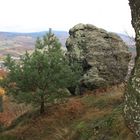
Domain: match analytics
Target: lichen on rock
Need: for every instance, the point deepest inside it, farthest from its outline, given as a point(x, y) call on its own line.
point(103, 55)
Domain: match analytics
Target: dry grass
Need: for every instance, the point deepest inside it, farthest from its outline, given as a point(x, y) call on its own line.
point(94, 116)
point(11, 111)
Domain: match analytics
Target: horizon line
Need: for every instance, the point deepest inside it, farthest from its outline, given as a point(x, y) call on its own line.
point(22, 32)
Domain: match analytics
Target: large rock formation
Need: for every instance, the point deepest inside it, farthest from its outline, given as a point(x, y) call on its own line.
point(132, 94)
point(103, 55)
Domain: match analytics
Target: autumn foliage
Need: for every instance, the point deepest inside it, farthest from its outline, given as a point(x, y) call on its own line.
point(2, 74)
point(1, 91)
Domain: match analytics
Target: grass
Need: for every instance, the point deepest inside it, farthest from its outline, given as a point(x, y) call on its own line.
point(8, 137)
point(94, 116)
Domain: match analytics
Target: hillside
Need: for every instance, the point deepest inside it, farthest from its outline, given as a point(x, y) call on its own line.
point(17, 43)
point(94, 116)
point(130, 41)
point(96, 113)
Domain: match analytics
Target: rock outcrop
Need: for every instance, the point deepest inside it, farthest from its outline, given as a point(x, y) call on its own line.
point(103, 55)
point(132, 94)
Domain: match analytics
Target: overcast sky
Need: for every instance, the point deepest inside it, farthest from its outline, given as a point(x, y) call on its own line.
point(39, 15)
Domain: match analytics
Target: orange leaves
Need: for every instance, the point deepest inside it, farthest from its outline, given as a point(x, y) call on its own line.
point(72, 109)
point(2, 74)
point(2, 91)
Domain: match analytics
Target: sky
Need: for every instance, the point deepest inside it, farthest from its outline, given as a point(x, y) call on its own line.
point(39, 15)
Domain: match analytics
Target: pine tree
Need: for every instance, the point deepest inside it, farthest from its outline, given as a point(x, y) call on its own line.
point(38, 77)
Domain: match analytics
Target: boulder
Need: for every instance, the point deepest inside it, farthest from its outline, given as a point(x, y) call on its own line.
point(103, 55)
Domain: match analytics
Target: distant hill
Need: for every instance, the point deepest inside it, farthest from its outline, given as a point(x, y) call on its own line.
point(10, 35)
point(130, 41)
point(127, 39)
point(17, 43)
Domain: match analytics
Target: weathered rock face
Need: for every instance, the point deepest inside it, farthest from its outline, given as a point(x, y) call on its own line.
point(104, 56)
point(132, 94)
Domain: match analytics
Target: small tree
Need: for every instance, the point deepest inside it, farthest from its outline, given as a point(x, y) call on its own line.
point(38, 77)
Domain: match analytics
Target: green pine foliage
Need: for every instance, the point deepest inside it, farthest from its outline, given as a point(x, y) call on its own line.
point(38, 77)
point(1, 104)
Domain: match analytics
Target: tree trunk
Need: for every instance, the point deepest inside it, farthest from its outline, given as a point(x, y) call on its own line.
point(132, 94)
point(42, 105)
